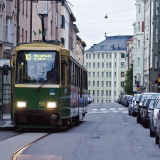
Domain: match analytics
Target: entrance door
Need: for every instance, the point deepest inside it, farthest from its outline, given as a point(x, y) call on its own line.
point(5, 95)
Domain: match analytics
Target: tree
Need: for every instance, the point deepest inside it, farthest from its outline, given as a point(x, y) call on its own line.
point(128, 83)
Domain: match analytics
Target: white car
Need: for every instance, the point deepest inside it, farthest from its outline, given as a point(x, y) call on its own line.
point(157, 134)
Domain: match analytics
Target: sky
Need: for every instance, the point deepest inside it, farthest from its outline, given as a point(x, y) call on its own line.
point(91, 22)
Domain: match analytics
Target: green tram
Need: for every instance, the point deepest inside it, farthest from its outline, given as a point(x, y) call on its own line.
point(49, 86)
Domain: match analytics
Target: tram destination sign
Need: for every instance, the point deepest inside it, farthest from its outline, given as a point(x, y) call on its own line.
point(38, 57)
point(4, 61)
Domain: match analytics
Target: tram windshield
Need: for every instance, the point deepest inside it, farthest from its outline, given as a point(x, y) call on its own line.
point(37, 67)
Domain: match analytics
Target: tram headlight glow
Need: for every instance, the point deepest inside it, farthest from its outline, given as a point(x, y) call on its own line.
point(51, 105)
point(21, 104)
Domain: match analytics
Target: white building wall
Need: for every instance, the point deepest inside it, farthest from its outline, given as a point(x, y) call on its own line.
point(138, 44)
point(118, 79)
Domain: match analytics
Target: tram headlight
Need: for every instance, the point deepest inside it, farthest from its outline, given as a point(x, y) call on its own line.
point(51, 105)
point(21, 104)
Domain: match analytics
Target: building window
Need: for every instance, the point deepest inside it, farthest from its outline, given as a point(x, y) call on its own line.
point(107, 93)
point(122, 83)
point(97, 74)
point(98, 56)
point(115, 64)
point(87, 65)
point(93, 65)
point(109, 83)
point(122, 74)
point(110, 74)
point(26, 36)
point(102, 56)
point(98, 65)
point(93, 56)
point(110, 64)
point(86, 56)
point(106, 74)
point(114, 74)
point(114, 93)
point(156, 35)
point(139, 27)
point(157, 7)
point(93, 92)
point(138, 62)
point(106, 83)
point(93, 83)
point(62, 21)
point(110, 55)
point(22, 35)
point(102, 64)
point(102, 83)
point(122, 64)
point(93, 74)
point(107, 65)
point(139, 9)
point(97, 83)
point(114, 83)
point(97, 92)
point(89, 74)
point(102, 74)
point(122, 55)
point(106, 101)
point(97, 100)
point(89, 83)
point(102, 92)
point(115, 55)
point(107, 55)
point(138, 44)
point(89, 56)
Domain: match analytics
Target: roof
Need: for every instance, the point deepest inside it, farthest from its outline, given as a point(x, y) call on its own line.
point(111, 43)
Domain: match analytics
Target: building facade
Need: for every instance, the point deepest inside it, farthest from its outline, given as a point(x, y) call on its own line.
point(138, 46)
point(106, 67)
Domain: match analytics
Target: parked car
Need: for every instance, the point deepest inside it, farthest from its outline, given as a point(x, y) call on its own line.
point(89, 100)
point(134, 107)
point(128, 99)
point(146, 112)
point(155, 110)
point(139, 102)
point(123, 99)
point(157, 134)
point(130, 107)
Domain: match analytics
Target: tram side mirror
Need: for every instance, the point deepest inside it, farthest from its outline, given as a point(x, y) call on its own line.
point(5, 69)
point(64, 62)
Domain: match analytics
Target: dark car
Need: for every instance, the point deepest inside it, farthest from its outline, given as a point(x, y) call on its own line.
point(146, 112)
point(157, 134)
point(133, 110)
point(156, 108)
point(140, 101)
point(128, 99)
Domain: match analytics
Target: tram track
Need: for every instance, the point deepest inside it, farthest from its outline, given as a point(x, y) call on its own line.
point(20, 151)
point(12, 136)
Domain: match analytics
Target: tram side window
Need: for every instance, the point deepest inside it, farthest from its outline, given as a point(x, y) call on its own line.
point(63, 73)
point(69, 72)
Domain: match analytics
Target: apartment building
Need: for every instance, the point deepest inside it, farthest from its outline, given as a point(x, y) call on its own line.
point(138, 46)
point(106, 68)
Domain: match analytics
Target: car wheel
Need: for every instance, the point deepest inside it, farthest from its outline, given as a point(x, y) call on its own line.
point(152, 134)
point(138, 119)
point(156, 138)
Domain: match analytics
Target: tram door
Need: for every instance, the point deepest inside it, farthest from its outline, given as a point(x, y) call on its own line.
point(5, 95)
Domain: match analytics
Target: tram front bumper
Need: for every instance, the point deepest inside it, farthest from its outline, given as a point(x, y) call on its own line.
point(37, 117)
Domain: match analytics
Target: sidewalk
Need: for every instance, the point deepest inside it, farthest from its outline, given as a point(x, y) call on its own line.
point(5, 124)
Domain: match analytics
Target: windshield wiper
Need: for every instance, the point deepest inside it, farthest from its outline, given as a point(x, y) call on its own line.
point(40, 86)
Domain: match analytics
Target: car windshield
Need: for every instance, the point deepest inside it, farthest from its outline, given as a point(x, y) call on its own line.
point(147, 96)
point(36, 67)
point(151, 102)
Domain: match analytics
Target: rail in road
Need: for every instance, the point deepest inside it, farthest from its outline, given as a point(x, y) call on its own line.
point(11, 147)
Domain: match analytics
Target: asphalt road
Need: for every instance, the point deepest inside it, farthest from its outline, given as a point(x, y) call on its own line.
point(107, 133)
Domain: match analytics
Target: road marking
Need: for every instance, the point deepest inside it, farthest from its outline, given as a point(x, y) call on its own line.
point(121, 108)
point(124, 111)
point(103, 109)
point(112, 109)
point(94, 109)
